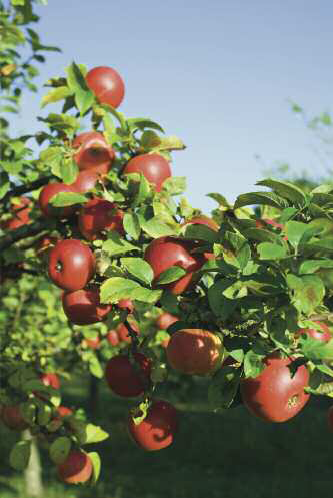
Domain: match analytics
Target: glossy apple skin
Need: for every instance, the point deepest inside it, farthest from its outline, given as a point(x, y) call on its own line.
point(77, 468)
point(50, 379)
point(195, 351)
point(93, 152)
point(71, 264)
point(86, 180)
point(274, 395)
point(154, 168)
point(322, 336)
point(112, 338)
point(107, 85)
point(126, 304)
point(158, 429)
point(82, 307)
point(164, 252)
point(21, 211)
point(50, 191)
point(12, 418)
point(123, 334)
point(98, 215)
point(124, 379)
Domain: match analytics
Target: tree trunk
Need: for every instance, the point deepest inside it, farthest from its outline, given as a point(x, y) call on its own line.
point(33, 473)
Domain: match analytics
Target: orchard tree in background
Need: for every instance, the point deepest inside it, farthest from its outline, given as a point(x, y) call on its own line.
point(105, 267)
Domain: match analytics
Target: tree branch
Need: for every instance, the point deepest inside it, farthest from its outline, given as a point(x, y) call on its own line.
point(23, 232)
point(27, 187)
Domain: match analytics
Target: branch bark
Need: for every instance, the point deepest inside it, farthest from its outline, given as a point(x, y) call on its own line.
point(27, 187)
point(23, 232)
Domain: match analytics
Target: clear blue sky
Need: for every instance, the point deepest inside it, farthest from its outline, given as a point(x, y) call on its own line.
point(218, 74)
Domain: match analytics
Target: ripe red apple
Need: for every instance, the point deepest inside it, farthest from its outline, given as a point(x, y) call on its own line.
point(21, 211)
point(12, 418)
point(50, 379)
point(107, 85)
point(123, 333)
point(86, 180)
point(77, 468)
point(98, 215)
point(164, 252)
point(93, 343)
point(82, 307)
point(154, 167)
point(125, 379)
point(195, 351)
point(274, 395)
point(126, 304)
point(158, 429)
point(71, 264)
point(322, 335)
point(93, 152)
point(112, 338)
point(46, 195)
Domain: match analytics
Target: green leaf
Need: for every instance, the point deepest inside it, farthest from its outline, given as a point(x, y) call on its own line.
point(4, 184)
point(268, 250)
point(68, 171)
point(63, 199)
point(60, 449)
point(20, 455)
point(316, 350)
point(223, 387)
point(285, 189)
point(220, 199)
point(156, 228)
point(142, 123)
point(253, 364)
point(143, 192)
point(139, 269)
point(261, 198)
point(307, 292)
point(56, 94)
point(132, 225)
point(221, 306)
point(116, 246)
point(95, 434)
point(96, 462)
point(174, 185)
point(84, 98)
point(95, 368)
point(116, 288)
point(298, 232)
point(170, 275)
point(201, 232)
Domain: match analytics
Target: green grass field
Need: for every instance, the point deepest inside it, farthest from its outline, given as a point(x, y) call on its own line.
point(228, 455)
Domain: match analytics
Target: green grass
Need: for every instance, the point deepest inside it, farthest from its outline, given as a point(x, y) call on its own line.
point(228, 455)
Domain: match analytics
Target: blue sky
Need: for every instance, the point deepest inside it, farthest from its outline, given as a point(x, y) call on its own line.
point(218, 74)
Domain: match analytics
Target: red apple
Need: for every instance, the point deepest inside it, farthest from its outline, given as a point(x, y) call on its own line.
point(86, 180)
point(123, 333)
point(112, 338)
point(93, 152)
point(158, 429)
point(165, 320)
point(322, 335)
point(12, 418)
point(98, 215)
point(126, 304)
point(77, 468)
point(154, 167)
point(107, 85)
point(274, 395)
point(47, 193)
point(71, 264)
point(21, 211)
point(50, 379)
point(93, 343)
point(82, 307)
point(164, 252)
point(125, 379)
point(195, 351)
